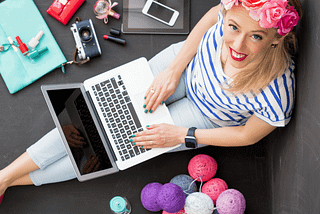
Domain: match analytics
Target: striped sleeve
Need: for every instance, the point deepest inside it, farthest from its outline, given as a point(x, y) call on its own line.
point(277, 99)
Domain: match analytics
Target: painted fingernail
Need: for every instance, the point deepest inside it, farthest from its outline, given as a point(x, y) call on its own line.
point(134, 144)
point(148, 126)
point(146, 111)
point(145, 97)
point(162, 102)
point(141, 146)
point(130, 140)
point(151, 111)
point(144, 105)
point(133, 135)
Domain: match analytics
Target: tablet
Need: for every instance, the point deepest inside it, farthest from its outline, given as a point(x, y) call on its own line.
point(135, 22)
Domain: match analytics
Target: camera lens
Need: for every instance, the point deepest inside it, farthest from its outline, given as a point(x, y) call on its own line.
point(85, 34)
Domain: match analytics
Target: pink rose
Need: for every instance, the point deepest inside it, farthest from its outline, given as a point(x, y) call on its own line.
point(288, 21)
point(271, 13)
point(229, 3)
point(253, 4)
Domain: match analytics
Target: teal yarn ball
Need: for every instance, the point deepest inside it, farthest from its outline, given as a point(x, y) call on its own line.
point(186, 183)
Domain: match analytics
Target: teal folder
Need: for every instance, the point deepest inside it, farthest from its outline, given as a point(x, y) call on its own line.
point(22, 18)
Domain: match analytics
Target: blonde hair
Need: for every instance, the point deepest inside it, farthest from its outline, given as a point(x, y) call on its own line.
point(271, 66)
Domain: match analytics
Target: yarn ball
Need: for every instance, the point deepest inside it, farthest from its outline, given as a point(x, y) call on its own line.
point(186, 183)
point(231, 201)
point(149, 196)
point(214, 187)
point(198, 203)
point(179, 212)
point(171, 198)
point(202, 166)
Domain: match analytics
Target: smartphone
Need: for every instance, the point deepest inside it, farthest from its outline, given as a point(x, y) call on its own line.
point(160, 12)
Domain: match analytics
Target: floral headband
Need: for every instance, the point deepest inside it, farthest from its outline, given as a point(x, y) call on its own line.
point(269, 13)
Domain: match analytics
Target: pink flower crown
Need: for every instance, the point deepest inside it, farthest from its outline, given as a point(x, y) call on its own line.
point(269, 13)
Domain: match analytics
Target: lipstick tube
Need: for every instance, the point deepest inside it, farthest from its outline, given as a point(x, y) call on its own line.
point(114, 39)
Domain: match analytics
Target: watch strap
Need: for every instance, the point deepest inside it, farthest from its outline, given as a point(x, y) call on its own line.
point(191, 131)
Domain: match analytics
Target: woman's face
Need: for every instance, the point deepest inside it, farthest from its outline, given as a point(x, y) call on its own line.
point(245, 42)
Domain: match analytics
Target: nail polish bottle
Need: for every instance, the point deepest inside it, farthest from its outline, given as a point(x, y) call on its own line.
point(23, 47)
point(35, 40)
point(36, 53)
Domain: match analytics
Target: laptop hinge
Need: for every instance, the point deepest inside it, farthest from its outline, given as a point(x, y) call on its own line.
point(101, 126)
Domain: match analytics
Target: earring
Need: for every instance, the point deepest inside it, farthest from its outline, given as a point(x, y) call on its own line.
point(274, 45)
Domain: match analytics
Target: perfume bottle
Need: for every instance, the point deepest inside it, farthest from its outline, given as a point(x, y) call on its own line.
point(103, 9)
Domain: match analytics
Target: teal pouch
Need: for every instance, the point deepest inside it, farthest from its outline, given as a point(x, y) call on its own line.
point(22, 18)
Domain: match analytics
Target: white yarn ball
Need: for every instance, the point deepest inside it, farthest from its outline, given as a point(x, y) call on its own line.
point(198, 203)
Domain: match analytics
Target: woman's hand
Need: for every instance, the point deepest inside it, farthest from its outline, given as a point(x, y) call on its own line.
point(162, 87)
point(159, 135)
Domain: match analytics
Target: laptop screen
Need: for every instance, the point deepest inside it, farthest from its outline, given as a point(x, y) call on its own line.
point(79, 129)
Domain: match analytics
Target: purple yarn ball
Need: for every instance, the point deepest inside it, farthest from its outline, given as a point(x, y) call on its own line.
point(231, 201)
point(171, 198)
point(149, 196)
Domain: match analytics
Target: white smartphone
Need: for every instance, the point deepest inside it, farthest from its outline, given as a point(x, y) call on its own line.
point(160, 12)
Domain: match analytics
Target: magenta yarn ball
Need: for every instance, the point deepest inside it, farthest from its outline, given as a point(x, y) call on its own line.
point(203, 166)
point(231, 201)
point(149, 196)
point(171, 198)
point(214, 187)
point(179, 212)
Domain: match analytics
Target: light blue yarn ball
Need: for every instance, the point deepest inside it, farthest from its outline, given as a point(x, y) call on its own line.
point(184, 182)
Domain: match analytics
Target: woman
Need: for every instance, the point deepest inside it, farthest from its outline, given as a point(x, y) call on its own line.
point(231, 79)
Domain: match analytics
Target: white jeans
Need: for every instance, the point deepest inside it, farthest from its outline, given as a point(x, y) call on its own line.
point(49, 152)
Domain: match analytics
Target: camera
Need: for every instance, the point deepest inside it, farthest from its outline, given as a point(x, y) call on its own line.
point(86, 39)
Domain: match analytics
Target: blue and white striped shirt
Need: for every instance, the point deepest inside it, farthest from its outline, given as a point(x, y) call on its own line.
point(204, 79)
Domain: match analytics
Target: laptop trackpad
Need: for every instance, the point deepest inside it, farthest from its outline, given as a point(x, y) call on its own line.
point(160, 115)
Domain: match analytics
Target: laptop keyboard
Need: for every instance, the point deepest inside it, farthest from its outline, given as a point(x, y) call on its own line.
point(119, 114)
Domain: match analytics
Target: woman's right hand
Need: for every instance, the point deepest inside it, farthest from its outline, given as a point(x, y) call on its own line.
point(162, 87)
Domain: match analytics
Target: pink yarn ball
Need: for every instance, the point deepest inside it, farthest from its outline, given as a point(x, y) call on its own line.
point(231, 201)
point(202, 166)
point(149, 196)
point(180, 212)
point(214, 187)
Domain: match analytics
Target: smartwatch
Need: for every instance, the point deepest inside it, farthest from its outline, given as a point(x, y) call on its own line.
point(190, 139)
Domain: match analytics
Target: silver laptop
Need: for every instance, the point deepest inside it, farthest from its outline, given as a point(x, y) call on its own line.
point(97, 118)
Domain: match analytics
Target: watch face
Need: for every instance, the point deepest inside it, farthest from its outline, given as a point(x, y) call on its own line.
point(191, 144)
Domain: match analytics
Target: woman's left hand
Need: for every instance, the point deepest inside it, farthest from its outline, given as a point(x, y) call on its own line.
point(159, 135)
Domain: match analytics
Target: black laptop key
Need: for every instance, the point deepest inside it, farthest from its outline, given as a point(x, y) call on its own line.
point(98, 87)
point(131, 153)
point(134, 115)
point(127, 99)
point(142, 150)
point(136, 150)
point(114, 83)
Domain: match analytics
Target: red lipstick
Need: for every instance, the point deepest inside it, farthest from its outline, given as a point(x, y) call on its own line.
point(237, 56)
